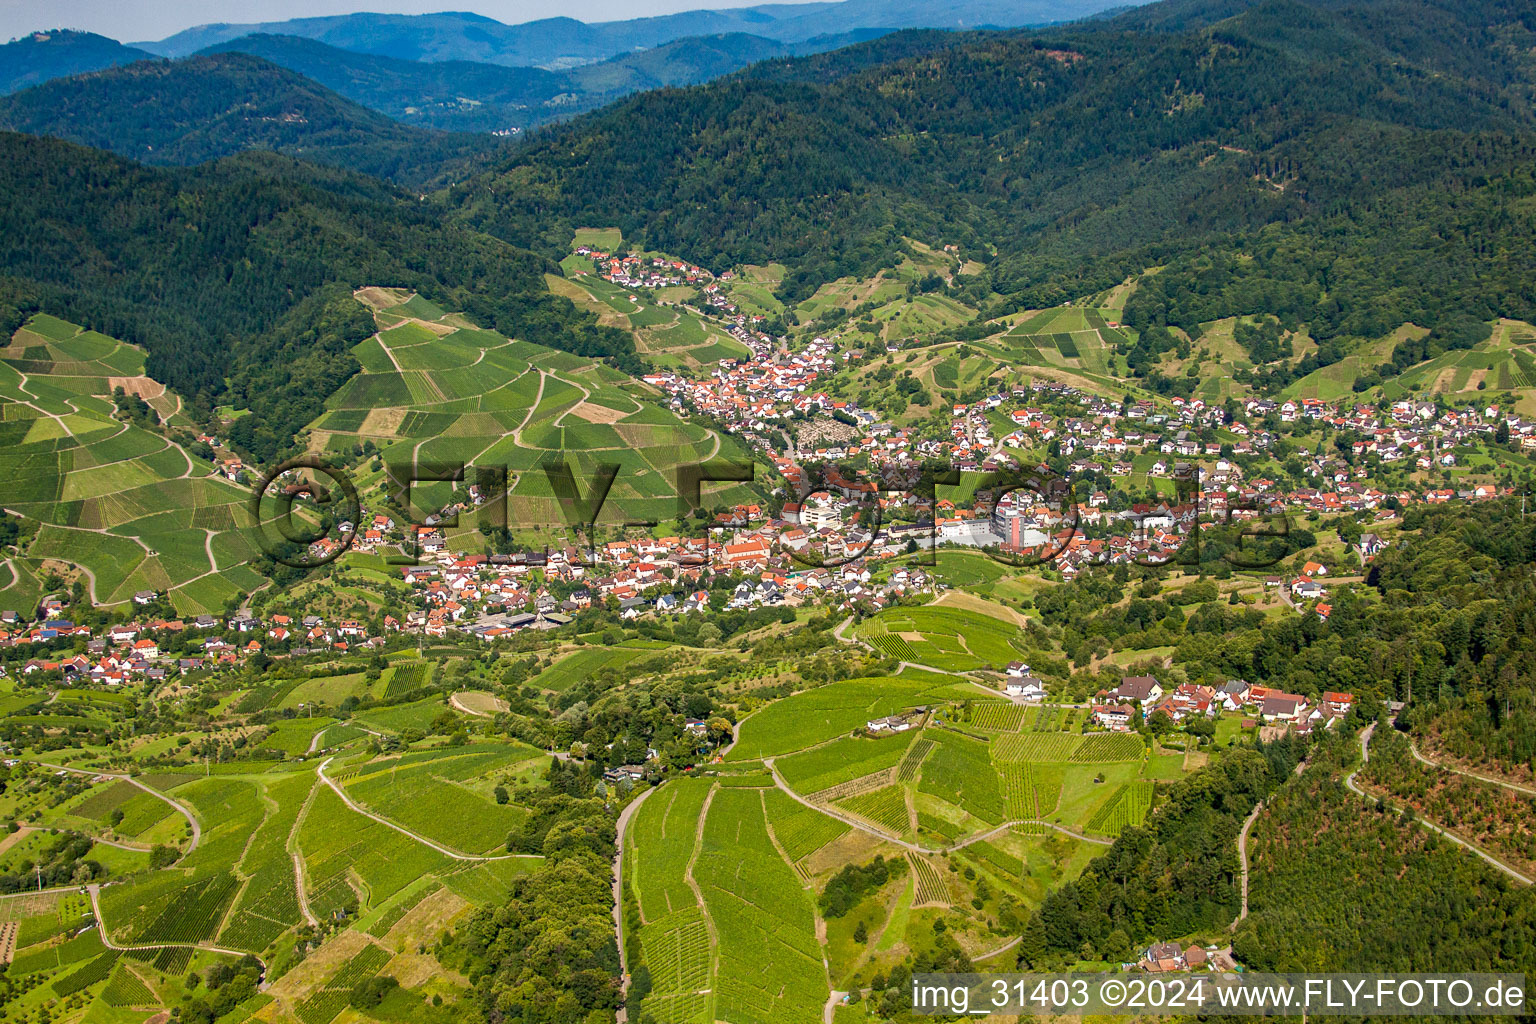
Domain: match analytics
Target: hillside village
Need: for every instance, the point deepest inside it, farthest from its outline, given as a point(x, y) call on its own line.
point(813, 543)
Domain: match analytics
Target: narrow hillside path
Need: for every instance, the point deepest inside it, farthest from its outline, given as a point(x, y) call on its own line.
point(389, 351)
point(698, 893)
point(1349, 782)
point(1493, 780)
point(870, 829)
point(197, 829)
point(618, 896)
point(1242, 855)
point(423, 840)
point(517, 431)
point(1005, 947)
point(297, 854)
point(1242, 847)
point(106, 939)
point(134, 847)
point(22, 831)
point(41, 892)
point(461, 706)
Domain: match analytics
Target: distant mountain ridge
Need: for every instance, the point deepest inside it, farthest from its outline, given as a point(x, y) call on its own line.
point(204, 108)
point(43, 56)
point(475, 96)
point(555, 43)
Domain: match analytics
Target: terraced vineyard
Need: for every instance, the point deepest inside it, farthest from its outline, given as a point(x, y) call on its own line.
point(126, 989)
point(170, 907)
point(1102, 748)
point(326, 1002)
point(799, 829)
point(436, 388)
point(946, 639)
point(131, 509)
point(920, 748)
point(841, 761)
point(1031, 790)
point(1035, 746)
point(837, 709)
point(337, 844)
point(666, 827)
point(770, 969)
point(667, 334)
point(678, 956)
point(886, 807)
point(443, 796)
point(998, 717)
point(269, 903)
point(583, 664)
point(960, 771)
point(931, 889)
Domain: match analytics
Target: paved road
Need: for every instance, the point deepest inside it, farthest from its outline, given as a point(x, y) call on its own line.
point(197, 830)
point(423, 840)
point(618, 895)
point(829, 1009)
point(1349, 781)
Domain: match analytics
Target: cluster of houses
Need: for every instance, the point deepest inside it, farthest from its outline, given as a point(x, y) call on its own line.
point(1107, 438)
point(142, 651)
point(767, 389)
point(1164, 957)
point(1117, 709)
point(634, 271)
point(491, 596)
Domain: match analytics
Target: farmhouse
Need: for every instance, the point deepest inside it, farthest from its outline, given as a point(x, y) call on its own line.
point(1168, 956)
point(1283, 706)
point(1116, 717)
point(1337, 705)
point(1027, 688)
point(1144, 690)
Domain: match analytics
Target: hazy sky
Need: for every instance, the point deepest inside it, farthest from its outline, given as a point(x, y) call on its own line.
point(135, 20)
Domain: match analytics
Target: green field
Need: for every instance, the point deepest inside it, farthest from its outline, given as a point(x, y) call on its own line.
point(948, 639)
point(841, 761)
point(827, 712)
point(446, 795)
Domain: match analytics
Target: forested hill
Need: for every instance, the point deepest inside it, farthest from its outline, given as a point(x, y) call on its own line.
point(1474, 574)
point(42, 56)
point(237, 276)
point(1291, 132)
point(203, 108)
